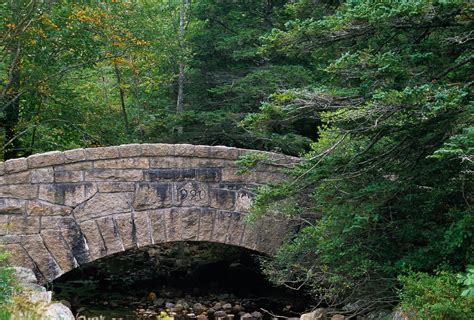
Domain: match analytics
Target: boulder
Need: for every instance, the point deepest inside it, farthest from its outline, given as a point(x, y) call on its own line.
point(318, 314)
point(227, 307)
point(220, 314)
point(40, 297)
point(25, 275)
point(246, 316)
point(57, 311)
point(338, 317)
point(177, 308)
point(34, 287)
point(379, 315)
point(237, 308)
point(199, 308)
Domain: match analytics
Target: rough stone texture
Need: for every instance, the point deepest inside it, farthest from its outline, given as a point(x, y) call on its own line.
point(101, 153)
point(59, 210)
point(68, 176)
point(152, 195)
point(43, 175)
point(126, 228)
point(58, 247)
point(40, 255)
point(3, 224)
point(158, 224)
point(103, 204)
point(57, 311)
point(40, 297)
point(42, 208)
point(25, 275)
point(21, 191)
point(12, 206)
point(22, 225)
point(318, 314)
point(16, 178)
point(95, 244)
point(192, 194)
point(143, 228)
point(74, 155)
point(110, 235)
point(190, 223)
point(16, 165)
point(45, 159)
point(130, 150)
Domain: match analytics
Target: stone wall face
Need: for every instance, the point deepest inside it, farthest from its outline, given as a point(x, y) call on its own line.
point(59, 210)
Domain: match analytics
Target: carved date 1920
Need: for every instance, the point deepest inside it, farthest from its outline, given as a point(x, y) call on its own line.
point(191, 194)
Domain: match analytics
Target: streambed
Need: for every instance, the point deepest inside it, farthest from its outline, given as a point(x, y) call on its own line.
point(184, 280)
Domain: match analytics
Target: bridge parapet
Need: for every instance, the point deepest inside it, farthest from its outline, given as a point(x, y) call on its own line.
point(59, 210)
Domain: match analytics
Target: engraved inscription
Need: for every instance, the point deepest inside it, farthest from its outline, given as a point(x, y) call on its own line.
point(192, 194)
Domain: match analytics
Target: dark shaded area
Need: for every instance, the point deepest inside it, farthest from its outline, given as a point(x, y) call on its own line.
point(175, 273)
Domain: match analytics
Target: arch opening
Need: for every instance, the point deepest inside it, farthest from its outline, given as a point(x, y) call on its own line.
point(184, 278)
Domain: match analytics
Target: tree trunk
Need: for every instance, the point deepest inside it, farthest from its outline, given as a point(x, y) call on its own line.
point(122, 99)
point(182, 76)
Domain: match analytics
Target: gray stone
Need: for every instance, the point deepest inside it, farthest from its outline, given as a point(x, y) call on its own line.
point(246, 316)
point(62, 209)
point(46, 159)
point(74, 155)
point(318, 314)
point(101, 153)
point(227, 307)
point(33, 287)
point(220, 314)
point(199, 308)
point(12, 206)
point(16, 165)
point(104, 204)
point(383, 315)
point(130, 150)
point(152, 195)
point(57, 311)
point(25, 275)
point(40, 297)
point(43, 175)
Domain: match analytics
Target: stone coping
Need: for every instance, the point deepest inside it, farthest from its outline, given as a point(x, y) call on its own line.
point(54, 158)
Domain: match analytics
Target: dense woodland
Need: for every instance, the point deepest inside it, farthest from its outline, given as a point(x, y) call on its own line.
point(375, 95)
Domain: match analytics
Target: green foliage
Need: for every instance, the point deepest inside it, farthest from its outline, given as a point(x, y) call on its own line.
point(467, 281)
point(7, 285)
point(434, 297)
point(388, 183)
point(250, 160)
point(375, 96)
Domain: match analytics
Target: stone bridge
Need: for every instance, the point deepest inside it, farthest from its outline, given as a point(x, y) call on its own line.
point(59, 210)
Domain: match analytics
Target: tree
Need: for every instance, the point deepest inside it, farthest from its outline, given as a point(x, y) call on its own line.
point(387, 185)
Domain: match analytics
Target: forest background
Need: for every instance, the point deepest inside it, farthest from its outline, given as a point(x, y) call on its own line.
point(375, 95)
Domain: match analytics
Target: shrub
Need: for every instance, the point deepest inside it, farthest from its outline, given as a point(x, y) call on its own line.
point(435, 297)
point(7, 285)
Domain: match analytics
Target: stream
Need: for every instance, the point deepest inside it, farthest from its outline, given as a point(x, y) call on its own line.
point(184, 280)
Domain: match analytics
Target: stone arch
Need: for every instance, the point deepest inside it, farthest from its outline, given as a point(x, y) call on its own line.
point(59, 210)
